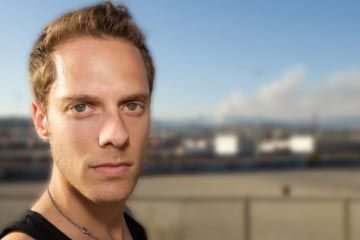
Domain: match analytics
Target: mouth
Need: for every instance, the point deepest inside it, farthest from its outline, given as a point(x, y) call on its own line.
point(112, 169)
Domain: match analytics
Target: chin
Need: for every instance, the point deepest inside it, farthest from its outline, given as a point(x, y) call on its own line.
point(109, 192)
point(100, 198)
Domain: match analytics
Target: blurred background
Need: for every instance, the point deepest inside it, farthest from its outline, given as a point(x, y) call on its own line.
point(255, 118)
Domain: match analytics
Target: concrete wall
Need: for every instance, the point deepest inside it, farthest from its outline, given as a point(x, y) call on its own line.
point(229, 218)
point(249, 219)
point(173, 220)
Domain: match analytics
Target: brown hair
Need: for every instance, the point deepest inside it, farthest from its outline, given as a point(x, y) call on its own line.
point(101, 20)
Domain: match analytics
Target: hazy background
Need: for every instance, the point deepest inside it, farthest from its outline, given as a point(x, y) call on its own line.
point(256, 118)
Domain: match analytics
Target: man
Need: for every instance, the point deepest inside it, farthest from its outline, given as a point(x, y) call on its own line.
point(92, 78)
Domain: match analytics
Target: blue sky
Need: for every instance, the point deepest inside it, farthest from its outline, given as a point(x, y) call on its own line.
point(276, 59)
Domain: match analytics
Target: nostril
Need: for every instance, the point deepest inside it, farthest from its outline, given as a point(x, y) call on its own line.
point(124, 145)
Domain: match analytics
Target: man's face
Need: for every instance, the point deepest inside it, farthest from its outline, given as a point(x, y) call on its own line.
point(98, 116)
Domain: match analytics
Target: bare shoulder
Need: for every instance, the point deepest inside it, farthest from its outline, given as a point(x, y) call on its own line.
point(17, 236)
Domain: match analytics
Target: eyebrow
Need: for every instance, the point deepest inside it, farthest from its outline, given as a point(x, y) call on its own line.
point(89, 98)
point(136, 97)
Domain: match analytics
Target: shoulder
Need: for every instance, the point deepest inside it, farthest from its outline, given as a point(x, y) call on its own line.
point(17, 236)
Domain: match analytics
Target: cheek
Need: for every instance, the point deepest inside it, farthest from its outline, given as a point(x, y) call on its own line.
point(77, 137)
point(139, 131)
point(71, 146)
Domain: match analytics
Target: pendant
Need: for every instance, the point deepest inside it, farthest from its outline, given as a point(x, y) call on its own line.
point(86, 231)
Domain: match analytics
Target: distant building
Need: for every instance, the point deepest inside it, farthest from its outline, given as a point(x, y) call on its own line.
point(226, 145)
point(296, 144)
point(273, 146)
point(339, 147)
point(302, 144)
point(231, 144)
point(196, 146)
point(163, 147)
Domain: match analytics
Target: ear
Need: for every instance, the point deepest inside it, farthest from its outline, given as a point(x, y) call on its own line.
point(40, 120)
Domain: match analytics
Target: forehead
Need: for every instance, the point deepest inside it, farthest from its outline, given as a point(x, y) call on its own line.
point(94, 65)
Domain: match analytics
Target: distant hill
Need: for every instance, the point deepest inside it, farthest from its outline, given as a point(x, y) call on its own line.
point(203, 122)
point(6, 122)
point(330, 123)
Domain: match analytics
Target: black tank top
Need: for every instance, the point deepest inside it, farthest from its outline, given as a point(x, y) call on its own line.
point(38, 227)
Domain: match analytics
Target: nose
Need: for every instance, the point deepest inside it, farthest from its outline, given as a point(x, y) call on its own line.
point(114, 132)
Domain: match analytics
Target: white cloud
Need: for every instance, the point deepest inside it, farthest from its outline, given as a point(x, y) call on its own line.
point(290, 98)
point(284, 88)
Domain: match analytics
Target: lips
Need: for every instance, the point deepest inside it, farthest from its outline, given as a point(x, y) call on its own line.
point(112, 169)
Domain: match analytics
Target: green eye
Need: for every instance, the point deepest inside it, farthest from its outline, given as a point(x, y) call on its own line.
point(80, 107)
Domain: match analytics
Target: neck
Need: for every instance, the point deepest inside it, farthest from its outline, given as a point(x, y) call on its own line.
point(104, 220)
